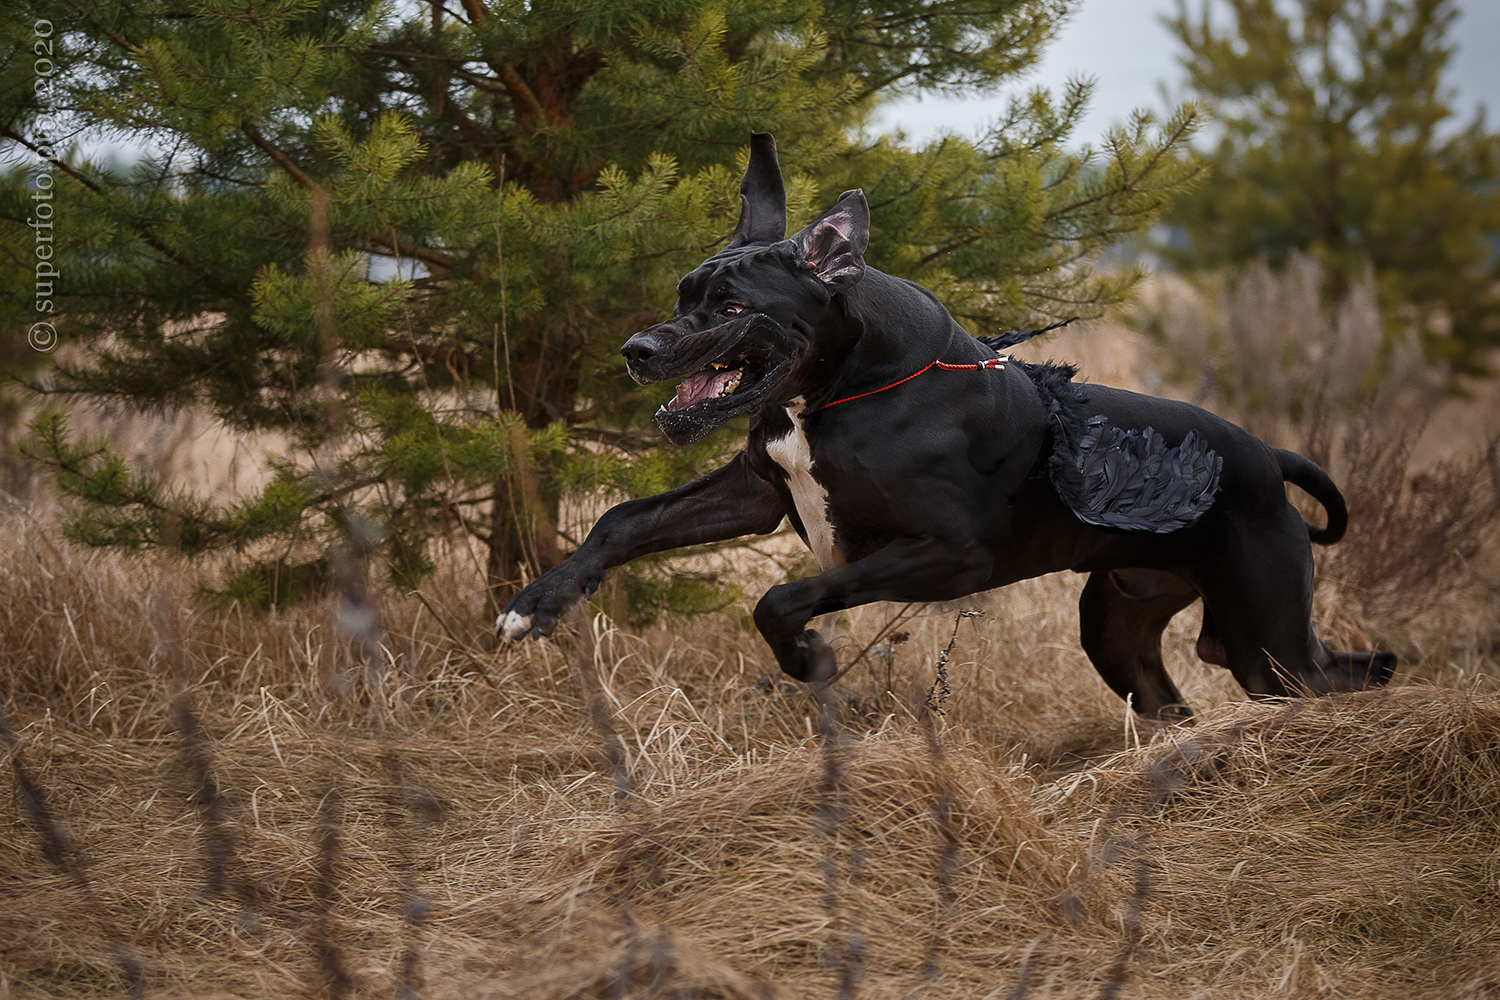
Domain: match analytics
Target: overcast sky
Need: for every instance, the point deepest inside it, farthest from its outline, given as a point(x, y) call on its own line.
point(1125, 47)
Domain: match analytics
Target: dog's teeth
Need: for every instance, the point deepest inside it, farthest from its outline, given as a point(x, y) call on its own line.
point(731, 385)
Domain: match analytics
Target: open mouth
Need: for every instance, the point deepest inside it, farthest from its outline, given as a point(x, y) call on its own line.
point(725, 372)
point(718, 381)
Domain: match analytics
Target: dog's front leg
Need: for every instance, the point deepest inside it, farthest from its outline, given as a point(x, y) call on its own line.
point(727, 503)
point(920, 568)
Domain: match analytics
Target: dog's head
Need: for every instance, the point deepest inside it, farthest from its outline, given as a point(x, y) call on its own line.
point(744, 328)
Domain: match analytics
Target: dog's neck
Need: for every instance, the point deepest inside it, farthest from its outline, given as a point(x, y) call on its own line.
point(883, 328)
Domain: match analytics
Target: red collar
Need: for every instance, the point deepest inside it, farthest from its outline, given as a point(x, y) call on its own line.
point(992, 364)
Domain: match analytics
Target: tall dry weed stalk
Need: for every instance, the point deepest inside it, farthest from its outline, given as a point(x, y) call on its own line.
point(326, 934)
point(838, 892)
point(945, 918)
point(405, 803)
point(60, 849)
point(1350, 389)
point(219, 828)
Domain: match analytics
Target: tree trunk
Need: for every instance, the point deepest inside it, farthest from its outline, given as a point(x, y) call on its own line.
point(523, 540)
point(523, 537)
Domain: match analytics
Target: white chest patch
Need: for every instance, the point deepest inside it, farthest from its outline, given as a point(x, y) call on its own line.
point(793, 454)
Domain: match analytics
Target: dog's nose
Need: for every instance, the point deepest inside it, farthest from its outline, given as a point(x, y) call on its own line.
point(640, 348)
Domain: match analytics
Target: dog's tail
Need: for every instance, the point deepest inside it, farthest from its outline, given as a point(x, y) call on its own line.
point(1309, 476)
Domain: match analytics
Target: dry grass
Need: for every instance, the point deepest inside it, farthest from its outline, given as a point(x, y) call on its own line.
point(280, 843)
point(210, 803)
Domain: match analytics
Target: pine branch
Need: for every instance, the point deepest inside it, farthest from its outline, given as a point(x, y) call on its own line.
point(1126, 184)
point(431, 258)
point(528, 110)
point(278, 157)
point(478, 13)
point(452, 358)
point(624, 440)
point(141, 228)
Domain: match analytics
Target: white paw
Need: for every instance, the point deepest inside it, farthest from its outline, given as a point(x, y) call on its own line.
point(512, 625)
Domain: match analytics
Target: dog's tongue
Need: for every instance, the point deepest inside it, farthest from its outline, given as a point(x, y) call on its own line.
point(704, 385)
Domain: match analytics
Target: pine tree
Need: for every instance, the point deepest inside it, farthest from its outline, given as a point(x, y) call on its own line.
point(537, 176)
point(1338, 142)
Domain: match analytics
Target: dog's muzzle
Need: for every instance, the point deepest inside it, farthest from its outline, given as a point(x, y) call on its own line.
point(727, 371)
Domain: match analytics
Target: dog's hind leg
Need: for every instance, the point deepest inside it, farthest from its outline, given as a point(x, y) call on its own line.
point(1123, 614)
point(1257, 598)
point(1257, 607)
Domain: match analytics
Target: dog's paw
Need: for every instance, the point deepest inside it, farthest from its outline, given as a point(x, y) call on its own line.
point(512, 626)
point(536, 610)
point(812, 660)
point(1343, 671)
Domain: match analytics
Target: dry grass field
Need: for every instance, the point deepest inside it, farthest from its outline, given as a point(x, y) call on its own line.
point(213, 803)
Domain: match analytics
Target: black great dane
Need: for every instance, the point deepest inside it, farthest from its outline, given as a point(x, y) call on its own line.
point(920, 465)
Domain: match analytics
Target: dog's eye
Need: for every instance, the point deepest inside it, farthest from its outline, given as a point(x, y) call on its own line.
point(731, 308)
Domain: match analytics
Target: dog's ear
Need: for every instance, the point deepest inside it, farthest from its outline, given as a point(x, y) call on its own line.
point(833, 247)
point(762, 196)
